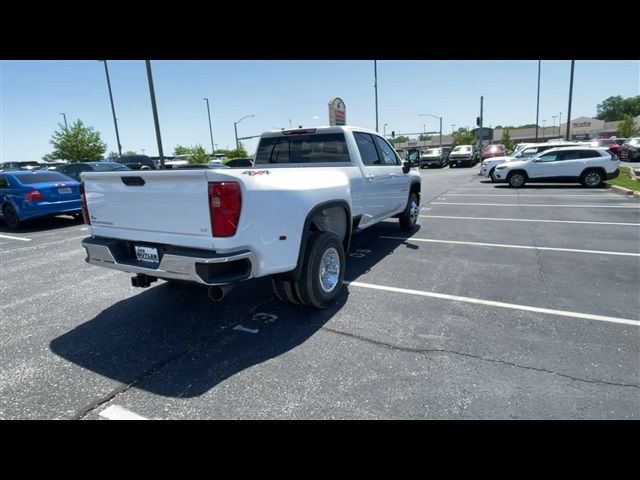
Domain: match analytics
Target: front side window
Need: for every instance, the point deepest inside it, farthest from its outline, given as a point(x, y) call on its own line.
point(367, 148)
point(388, 154)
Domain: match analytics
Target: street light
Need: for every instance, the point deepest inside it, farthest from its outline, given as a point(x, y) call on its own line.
point(559, 124)
point(439, 118)
point(66, 127)
point(210, 131)
point(113, 109)
point(544, 123)
point(384, 128)
point(235, 128)
point(553, 132)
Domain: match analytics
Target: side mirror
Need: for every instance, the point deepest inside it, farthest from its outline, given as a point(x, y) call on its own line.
point(406, 167)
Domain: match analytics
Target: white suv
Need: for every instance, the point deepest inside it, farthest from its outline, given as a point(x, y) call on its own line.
point(523, 151)
point(589, 166)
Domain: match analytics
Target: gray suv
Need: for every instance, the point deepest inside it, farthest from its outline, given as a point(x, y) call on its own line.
point(435, 156)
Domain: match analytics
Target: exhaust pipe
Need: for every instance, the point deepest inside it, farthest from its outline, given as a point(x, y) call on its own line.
point(143, 281)
point(218, 292)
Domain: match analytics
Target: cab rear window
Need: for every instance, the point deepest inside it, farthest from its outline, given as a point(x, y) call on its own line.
point(304, 149)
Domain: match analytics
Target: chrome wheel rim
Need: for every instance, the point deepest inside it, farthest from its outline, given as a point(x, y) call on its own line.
point(592, 179)
point(414, 210)
point(329, 270)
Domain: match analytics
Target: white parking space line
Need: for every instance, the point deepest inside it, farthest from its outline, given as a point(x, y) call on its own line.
point(524, 195)
point(240, 328)
point(526, 247)
point(491, 303)
point(33, 247)
point(116, 412)
point(636, 206)
point(531, 220)
point(9, 237)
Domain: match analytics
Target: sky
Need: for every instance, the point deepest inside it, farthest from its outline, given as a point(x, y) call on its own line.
point(33, 94)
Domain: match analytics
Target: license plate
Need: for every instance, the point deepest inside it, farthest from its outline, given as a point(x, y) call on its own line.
point(64, 191)
point(147, 254)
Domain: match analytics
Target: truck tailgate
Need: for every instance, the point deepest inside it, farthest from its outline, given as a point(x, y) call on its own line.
point(162, 206)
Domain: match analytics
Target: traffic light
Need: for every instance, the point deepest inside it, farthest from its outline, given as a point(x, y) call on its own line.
point(393, 134)
point(478, 121)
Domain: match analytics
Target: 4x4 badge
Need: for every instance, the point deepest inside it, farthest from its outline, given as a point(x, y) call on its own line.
point(251, 173)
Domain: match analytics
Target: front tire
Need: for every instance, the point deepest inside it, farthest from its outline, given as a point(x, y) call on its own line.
point(11, 217)
point(409, 217)
point(322, 270)
point(516, 179)
point(592, 178)
point(492, 175)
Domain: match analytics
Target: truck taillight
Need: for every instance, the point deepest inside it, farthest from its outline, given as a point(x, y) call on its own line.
point(85, 211)
point(34, 196)
point(224, 208)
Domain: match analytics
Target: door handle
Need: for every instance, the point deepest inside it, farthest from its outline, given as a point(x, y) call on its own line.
point(370, 177)
point(393, 174)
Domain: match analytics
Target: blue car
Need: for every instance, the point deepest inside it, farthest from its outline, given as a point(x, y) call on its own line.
point(25, 195)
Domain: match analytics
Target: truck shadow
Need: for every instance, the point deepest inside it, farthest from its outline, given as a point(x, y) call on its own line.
point(41, 224)
point(175, 341)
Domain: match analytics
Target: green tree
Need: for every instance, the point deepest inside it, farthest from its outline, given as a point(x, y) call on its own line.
point(464, 137)
point(129, 152)
point(627, 127)
point(77, 143)
point(400, 139)
point(423, 138)
point(194, 154)
point(48, 158)
point(236, 153)
point(506, 140)
point(615, 108)
point(112, 154)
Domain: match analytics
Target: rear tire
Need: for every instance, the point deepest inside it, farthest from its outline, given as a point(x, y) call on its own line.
point(285, 291)
point(592, 178)
point(409, 217)
point(516, 179)
point(11, 217)
point(322, 270)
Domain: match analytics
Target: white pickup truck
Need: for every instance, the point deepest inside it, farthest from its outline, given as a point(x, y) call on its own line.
point(290, 216)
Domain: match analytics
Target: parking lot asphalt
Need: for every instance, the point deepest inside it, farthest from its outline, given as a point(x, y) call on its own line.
point(504, 304)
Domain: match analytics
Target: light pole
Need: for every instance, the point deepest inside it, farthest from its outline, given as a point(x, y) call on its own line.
point(453, 128)
point(235, 128)
point(210, 131)
point(113, 109)
point(154, 108)
point(538, 100)
point(559, 128)
point(439, 118)
point(375, 74)
point(553, 132)
point(384, 128)
point(544, 124)
point(66, 127)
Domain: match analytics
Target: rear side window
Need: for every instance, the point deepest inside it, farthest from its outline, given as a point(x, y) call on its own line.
point(589, 153)
point(4, 183)
point(42, 177)
point(569, 155)
point(304, 149)
point(367, 149)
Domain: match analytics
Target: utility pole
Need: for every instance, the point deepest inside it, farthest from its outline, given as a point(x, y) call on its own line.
point(375, 74)
point(113, 109)
point(64, 115)
point(152, 93)
point(538, 102)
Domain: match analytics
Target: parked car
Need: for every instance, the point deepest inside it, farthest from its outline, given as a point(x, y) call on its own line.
point(494, 151)
point(488, 166)
point(631, 149)
point(25, 195)
point(20, 165)
point(435, 156)
point(463, 155)
point(75, 169)
point(175, 162)
point(613, 144)
point(240, 162)
point(137, 162)
point(589, 166)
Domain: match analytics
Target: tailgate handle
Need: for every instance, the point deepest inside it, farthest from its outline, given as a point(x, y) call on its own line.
point(133, 181)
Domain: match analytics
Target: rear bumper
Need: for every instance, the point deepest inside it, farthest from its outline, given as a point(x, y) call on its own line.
point(432, 161)
point(613, 175)
point(205, 267)
point(43, 209)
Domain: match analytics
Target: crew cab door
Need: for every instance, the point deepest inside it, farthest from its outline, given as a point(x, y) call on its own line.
point(383, 176)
